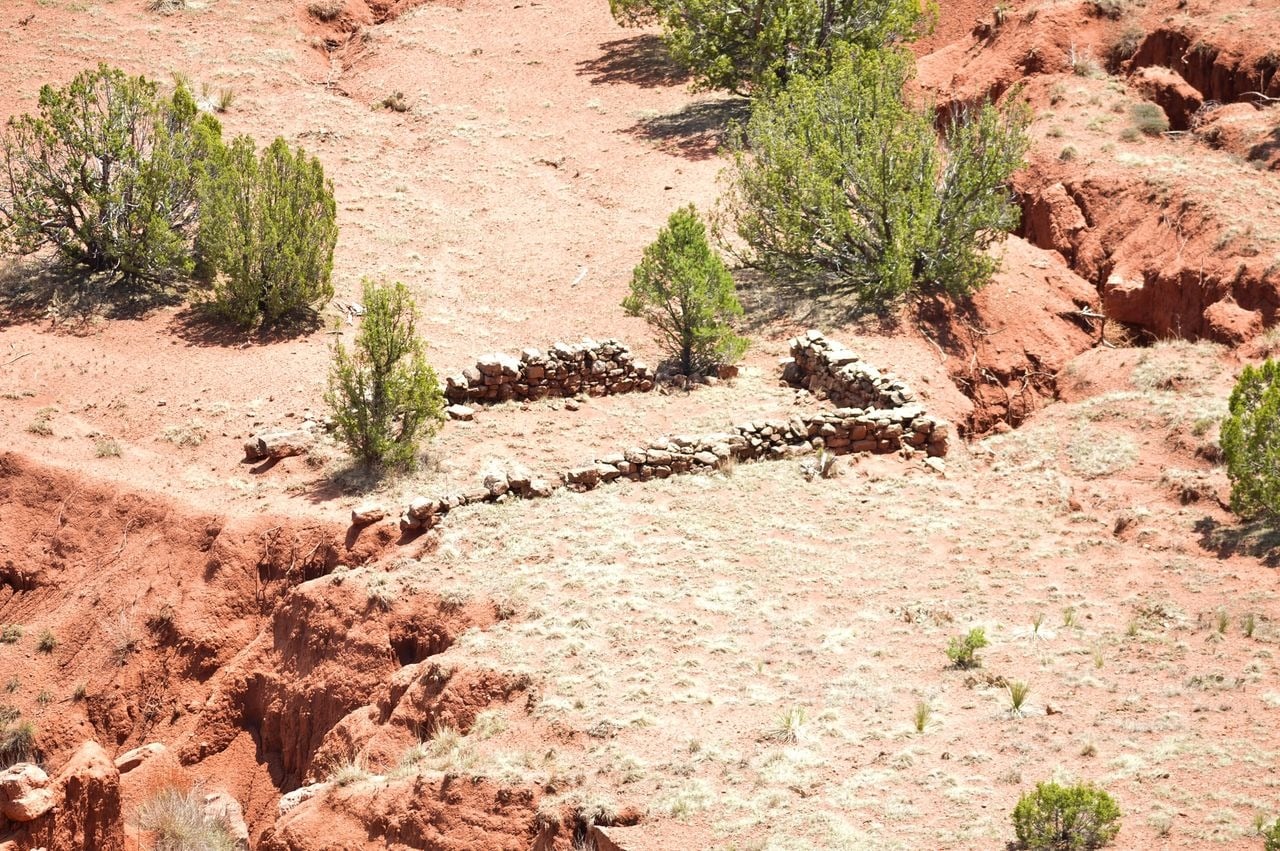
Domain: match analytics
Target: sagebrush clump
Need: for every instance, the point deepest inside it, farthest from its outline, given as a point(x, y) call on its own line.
point(1065, 818)
point(386, 400)
point(963, 650)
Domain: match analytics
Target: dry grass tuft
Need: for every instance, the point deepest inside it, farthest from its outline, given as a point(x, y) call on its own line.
point(325, 10)
point(177, 821)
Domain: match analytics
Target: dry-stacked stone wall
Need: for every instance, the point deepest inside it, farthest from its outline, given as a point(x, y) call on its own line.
point(878, 413)
point(499, 484)
point(831, 370)
point(840, 432)
point(590, 367)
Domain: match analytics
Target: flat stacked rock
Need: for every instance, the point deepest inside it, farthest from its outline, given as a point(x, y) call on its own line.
point(831, 370)
point(596, 369)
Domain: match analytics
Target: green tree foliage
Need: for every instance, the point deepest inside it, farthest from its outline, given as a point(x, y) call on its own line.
point(1271, 837)
point(385, 398)
point(1065, 818)
point(836, 181)
point(685, 293)
point(267, 232)
point(107, 174)
point(743, 46)
point(963, 650)
point(1250, 439)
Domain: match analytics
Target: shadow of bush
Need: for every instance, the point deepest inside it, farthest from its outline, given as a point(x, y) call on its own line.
point(198, 325)
point(33, 290)
point(641, 60)
point(1259, 539)
point(698, 131)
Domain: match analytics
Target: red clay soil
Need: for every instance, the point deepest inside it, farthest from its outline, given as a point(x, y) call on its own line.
point(228, 613)
point(1006, 345)
point(204, 632)
point(441, 814)
point(1168, 250)
point(87, 814)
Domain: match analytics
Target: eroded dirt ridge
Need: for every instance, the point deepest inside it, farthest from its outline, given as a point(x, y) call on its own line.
point(1166, 253)
point(226, 635)
point(330, 686)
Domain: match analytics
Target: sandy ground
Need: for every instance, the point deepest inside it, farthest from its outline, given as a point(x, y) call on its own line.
point(741, 656)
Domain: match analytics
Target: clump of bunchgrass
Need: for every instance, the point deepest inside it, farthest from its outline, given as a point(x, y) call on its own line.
point(920, 719)
point(1018, 691)
point(47, 643)
point(347, 773)
point(18, 743)
point(177, 821)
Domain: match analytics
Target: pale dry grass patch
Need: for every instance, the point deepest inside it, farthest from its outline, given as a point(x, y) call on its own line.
point(191, 433)
point(657, 612)
point(1095, 452)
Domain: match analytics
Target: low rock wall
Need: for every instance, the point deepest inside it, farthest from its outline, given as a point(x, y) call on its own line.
point(831, 370)
point(840, 432)
point(595, 368)
point(877, 414)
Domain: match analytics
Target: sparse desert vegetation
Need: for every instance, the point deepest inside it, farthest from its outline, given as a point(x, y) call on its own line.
point(1066, 817)
point(176, 821)
point(629, 555)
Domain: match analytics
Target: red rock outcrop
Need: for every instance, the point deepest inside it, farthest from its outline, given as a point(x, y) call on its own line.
point(426, 811)
point(1005, 346)
point(1178, 98)
point(78, 810)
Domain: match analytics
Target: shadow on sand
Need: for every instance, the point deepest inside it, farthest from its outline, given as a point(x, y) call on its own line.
point(698, 131)
point(1259, 539)
point(199, 326)
point(641, 60)
point(36, 290)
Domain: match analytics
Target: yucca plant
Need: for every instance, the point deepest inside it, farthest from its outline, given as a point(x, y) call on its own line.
point(1018, 692)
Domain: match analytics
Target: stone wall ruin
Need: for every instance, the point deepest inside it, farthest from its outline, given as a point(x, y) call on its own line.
point(878, 413)
point(596, 369)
